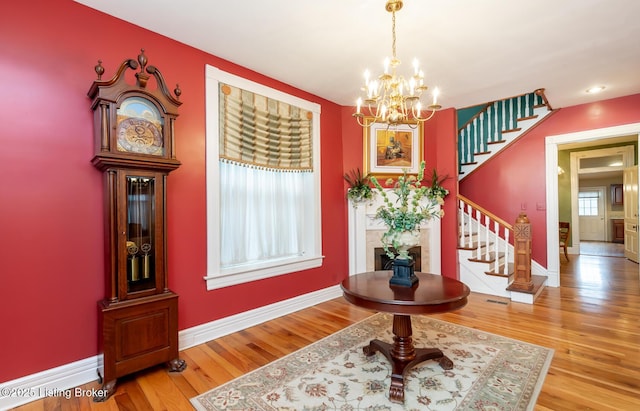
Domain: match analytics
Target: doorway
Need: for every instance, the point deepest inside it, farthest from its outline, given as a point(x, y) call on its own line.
point(598, 136)
point(594, 173)
point(591, 206)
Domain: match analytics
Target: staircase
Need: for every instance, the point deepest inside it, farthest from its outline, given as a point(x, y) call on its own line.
point(486, 256)
point(485, 130)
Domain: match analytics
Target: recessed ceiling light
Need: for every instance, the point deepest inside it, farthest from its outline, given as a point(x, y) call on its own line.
point(595, 89)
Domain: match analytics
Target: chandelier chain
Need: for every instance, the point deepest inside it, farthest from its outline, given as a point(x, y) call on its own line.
point(393, 33)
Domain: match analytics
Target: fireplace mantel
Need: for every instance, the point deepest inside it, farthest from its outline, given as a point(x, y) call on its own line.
point(365, 231)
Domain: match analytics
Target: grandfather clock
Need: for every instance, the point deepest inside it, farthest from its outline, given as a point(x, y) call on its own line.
point(135, 149)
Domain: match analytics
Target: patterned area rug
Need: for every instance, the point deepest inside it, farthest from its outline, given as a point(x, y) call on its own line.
point(490, 373)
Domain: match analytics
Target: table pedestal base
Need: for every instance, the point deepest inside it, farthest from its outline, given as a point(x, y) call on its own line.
point(403, 355)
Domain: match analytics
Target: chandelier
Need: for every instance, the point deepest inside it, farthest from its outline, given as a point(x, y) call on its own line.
point(391, 98)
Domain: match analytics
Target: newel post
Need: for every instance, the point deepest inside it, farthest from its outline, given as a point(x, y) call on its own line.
point(522, 255)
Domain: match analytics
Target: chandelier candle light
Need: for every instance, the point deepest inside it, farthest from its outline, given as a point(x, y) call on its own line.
point(385, 99)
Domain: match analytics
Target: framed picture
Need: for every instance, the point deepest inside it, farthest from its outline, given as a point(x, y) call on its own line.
point(388, 150)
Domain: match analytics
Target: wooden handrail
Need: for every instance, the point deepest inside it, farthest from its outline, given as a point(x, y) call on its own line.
point(485, 212)
point(540, 92)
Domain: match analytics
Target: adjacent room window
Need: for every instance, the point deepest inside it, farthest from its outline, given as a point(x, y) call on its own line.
point(263, 185)
point(588, 203)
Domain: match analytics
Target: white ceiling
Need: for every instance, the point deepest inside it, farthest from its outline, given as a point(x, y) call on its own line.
point(475, 51)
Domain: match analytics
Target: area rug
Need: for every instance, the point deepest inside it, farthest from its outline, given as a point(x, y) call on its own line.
point(490, 373)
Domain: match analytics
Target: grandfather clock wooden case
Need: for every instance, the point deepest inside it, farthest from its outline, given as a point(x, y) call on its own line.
point(134, 148)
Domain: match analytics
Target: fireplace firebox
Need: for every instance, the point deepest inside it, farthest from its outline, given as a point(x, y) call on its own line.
point(383, 262)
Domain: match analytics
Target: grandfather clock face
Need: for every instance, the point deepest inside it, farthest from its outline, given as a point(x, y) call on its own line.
point(139, 127)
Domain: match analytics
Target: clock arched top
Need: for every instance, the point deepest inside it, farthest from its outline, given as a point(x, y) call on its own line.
point(113, 88)
point(134, 125)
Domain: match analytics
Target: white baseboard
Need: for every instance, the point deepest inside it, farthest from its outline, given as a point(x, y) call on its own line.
point(210, 331)
point(61, 381)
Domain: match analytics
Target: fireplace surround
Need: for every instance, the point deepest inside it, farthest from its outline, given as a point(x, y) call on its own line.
point(365, 231)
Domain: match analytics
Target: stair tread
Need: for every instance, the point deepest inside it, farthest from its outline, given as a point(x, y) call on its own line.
point(473, 246)
point(487, 259)
point(499, 272)
point(513, 130)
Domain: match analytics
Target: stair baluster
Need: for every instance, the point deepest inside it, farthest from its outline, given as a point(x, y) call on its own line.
point(487, 221)
point(496, 240)
point(496, 129)
point(511, 116)
point(505, 270)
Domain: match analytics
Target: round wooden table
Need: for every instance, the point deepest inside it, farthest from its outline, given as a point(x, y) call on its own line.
point(432, 294)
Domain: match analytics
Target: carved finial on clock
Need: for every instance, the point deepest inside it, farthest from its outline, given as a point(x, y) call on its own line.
point(142, 59)
point(142, 76)
point(177, 91)
point(99, 69)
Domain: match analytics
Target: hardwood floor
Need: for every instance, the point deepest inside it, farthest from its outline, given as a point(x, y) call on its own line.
point(606, 249)
point(592, 321)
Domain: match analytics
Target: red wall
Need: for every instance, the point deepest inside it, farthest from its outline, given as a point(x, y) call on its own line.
point(51, 213)
point(441, 152)
point(516, 176)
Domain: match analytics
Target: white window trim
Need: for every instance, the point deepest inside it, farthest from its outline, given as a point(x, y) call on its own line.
point(215, 277)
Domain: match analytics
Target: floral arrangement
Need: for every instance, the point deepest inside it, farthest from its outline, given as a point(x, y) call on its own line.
point(359, 188)
point(436, 191)
point(415, 203)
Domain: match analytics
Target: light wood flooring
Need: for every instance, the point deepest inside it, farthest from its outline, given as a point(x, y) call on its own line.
point(605, 249)
point(592, 321)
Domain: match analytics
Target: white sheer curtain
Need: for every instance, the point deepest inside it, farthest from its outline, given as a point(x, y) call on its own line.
point(262, 214)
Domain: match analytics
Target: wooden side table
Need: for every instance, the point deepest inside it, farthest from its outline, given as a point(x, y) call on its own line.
point(433, 294)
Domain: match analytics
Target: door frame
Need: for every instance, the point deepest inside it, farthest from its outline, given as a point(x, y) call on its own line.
point(551, 161)
point(628, 158)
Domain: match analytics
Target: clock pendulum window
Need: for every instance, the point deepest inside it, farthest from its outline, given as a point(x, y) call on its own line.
point(134, 148)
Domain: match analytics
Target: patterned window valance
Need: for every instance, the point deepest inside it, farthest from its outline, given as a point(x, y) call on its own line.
point(263, 132)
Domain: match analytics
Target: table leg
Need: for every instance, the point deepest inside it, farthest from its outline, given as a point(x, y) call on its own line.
point(403, 355)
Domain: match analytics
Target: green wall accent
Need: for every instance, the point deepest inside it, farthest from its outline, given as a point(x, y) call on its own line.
point(564, 188)
point(466, 114)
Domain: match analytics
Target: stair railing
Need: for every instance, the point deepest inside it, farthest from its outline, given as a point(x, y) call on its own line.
point(496, 118)
point(491, 233)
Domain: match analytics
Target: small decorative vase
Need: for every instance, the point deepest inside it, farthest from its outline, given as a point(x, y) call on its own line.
point(403, 272)
point(403, 241)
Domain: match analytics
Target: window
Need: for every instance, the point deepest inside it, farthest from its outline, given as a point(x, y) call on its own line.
point(263, 202)
point(588, 203)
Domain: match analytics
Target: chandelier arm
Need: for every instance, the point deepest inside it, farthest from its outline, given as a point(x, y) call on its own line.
point(359, 118)
point(422, 120)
